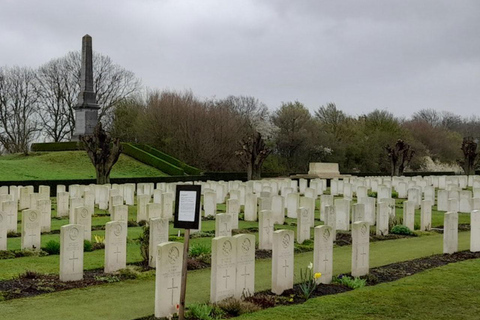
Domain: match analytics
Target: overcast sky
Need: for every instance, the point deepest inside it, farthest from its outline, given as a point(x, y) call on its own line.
point(401, 56)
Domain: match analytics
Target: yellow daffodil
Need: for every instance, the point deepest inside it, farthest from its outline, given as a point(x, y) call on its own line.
point(317, 275)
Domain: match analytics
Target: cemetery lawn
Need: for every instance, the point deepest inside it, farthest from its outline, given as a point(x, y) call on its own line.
point(67, 165)
point(135, 298)
point(448, 292)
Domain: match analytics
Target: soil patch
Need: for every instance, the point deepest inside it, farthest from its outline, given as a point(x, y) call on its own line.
point(31, 283)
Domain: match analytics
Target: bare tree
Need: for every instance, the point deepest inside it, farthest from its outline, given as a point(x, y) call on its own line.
point(58, 91)
point(253, 153)
point(400, 156)
point(103, 152)
point(18, 103)
point(469, 148)
point(60, 84)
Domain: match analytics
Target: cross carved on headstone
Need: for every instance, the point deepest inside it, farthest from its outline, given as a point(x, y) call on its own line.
point(11, 215)
point(325, 260)
point(172, 288)
point(117, 252)
point(73, 258)
point(244, 275)
point(226, 276)
point(363, 254)
point(286, 266)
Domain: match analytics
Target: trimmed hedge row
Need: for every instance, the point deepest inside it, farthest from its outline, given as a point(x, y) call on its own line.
point(151, 160)
point(161, 155)
point(57, 146)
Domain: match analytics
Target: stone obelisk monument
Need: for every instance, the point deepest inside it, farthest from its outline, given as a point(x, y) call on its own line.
point(86, 110)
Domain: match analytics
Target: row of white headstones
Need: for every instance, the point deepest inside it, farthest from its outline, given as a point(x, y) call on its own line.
point(114, 247)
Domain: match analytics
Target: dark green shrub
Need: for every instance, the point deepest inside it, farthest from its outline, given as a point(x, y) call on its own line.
point(372, 194)
point(394, 194)
point(198, 249)
point(401, 229)
point(144, 240)
point(52, 247)
point(353, 283)
point(87, 246)
point(57, 146)
point(147, 158)
point(235, 307)
point(129, 273)
point(7, 254)
point(203, 312)
point(168, 158)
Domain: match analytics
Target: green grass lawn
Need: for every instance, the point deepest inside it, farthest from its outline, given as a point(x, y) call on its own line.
point(67, 165)
point(448, 292)
point(135, 298)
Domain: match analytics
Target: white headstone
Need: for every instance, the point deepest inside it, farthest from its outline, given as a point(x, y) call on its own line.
point(475, 231)
point(278, 210)
point(426, 215)
point(223, 225)
point(323, 253)
point(168, 277)
point(71, 252)
point(409, 214)
point(450, 232)
point(158, 233)
point(82, 216)
point(3, 230)
point(383, 217)
point(303, 225)
point(167, 203)
point(44, 208)
point(31, 224)
point(11, 215)
point(265, 230)
point(233, 208)
point(250, 210)
point(282, 261)
point(360, 248)
point(142, 201)
point(154, 210)
point(325, 200)
point(120, 213)
point(210, 204)
point(342, 213)
point(223, 269)
point(115, 246)
point(293, 202)
point(245, 279)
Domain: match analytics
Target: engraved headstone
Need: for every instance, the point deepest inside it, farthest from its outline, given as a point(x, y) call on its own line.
point(31, 224)
point(168, 278)
point(3, 230)
point(245, 279)
point(475, 231)
point(44, 208)
point(303, 225)
point(265, 230)
point(71, 252)
point(278, 210)
point(223, 225)
point(158, 233)
point(142, 201)
point(115, 246)
point(409, 214)
point(223, 269)
point(82, 216)
point(323, 253)
point(282, 261)
point(11, 215)
point(450, 232)
point(426, 215)
point(250, 210)
point(360, 248)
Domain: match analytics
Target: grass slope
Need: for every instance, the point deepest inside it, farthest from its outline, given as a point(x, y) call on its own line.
point(67, 165)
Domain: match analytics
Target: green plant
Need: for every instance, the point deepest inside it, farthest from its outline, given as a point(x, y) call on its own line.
point(308, 281)
point(199, 249)
point(87, 246)
point(235, 307)
point(7, 254)
point(107, 278)
point(401, 229)
point(203, 312)
point(144, 240)
point(52, 247)
point(353, 283)
point(372, 194)
point(129, 272)
point(394, 194)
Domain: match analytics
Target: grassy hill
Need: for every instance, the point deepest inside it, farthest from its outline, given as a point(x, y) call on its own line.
point(67, 165)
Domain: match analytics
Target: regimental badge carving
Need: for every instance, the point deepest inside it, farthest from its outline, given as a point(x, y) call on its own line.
point(173, 255)
point(227, 248)
point(246, 245)
point(84, 213)
point(117, 229)
point(285, 240)
point(33, 216)
point(364, 229)
point(73, 234)
point(326, 234)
